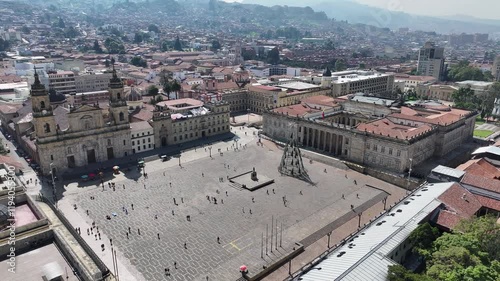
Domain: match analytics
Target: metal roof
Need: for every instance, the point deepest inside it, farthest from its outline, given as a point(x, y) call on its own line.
point(366, 255)
point(443, 170)
point(487, 149)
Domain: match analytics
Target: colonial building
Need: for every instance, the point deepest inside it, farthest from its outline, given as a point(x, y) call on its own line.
point(386, 137)
point(178, 121)
point(80, 135)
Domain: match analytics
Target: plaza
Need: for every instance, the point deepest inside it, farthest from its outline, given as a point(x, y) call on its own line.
point(176, 225)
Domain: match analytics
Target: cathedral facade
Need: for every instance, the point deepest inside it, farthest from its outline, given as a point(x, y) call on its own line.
point(83, 134)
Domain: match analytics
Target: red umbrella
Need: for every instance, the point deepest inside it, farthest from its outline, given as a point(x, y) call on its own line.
point(243, 268)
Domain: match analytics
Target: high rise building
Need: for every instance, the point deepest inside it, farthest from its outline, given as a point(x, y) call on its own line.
point(495, 70)
point(431, 61)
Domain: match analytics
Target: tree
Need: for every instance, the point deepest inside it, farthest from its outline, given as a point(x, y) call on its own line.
point(423, 236)
point(112, 60)
point(4, 45)
point(71, 32)
point(25, 29)
point(176, 87)
point(138, 37)
point(153, 90)
point(215, 45)
point(340, 65)
point(465, 98)
point(248, 54)
point(273, 56)
point(61, 23)
point(329, 45)
point(167, 88)
point(138, 61)
point(463, 71)
point(154, 28)
point(114, 46)
point(177, 44)
point(97, 48)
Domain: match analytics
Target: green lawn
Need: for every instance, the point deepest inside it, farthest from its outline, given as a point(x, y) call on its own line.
point(482, 133)
point(479, 121)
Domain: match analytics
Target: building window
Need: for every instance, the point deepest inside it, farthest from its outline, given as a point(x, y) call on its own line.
point(51, 157)
point(144, 146)
point(390, 151)
point(124, 142)
point(375, 148)
point(122, 116)
point(42, 104)
point(175, 138)
point(143, 140)
point(149, 145)
point(149, 139)
point(109, 142)
point(346, 141)
point(133, 142)
point(398, 153)
point(382, 149)
point(367, 146)
point(70, 151)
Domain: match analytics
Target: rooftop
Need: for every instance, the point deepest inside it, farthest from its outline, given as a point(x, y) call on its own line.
point(301, 86)
point(372, 100)
point(366, 255)
point(181, 104)
point(386, 127)
point(139, 126)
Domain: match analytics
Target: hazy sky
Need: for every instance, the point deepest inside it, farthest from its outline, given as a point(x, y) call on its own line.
point(477, 8)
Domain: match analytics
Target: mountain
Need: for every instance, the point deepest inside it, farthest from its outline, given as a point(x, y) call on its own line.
point(354, 12)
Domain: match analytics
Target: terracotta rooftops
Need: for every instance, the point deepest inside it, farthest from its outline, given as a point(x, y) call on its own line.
point(435, 117)
point(386, 127)
point(459, 204)
point(481, 182)
point(296, 110)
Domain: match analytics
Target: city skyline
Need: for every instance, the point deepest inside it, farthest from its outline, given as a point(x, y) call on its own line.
point(440, 8)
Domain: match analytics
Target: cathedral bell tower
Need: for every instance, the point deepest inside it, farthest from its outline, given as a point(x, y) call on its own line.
point(43, 116)
point(118, 109)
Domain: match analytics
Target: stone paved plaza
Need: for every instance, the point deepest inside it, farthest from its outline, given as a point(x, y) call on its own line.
point(236, 219)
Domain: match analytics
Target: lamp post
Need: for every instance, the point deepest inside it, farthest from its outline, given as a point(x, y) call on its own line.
point(210, 151)
point(248, 114)
point(329, 234)
point(53, 184)
point(409, 173)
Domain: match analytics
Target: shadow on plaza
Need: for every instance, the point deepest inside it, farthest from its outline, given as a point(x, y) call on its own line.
point(128, 164)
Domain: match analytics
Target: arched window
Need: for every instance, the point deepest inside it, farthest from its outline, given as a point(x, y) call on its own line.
point(122, 116)
point(70, 151)
point(47, 127)
point(118, 96)
point(42, 104)
point(109, 142)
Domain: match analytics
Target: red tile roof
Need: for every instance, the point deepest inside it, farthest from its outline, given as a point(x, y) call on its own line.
point(459, 204)
point(386, 127)
point(483, 168)
point(481, 182)
point(489, 203)
point(297, 109)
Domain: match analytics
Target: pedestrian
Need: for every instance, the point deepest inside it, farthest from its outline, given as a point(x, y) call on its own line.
point(218, 240)
point(95, 235)
point(173, 214)
point(99, 234)
point(88, 231)
point(346, 176)
point(156, 217)
point(208, 197)
point(226, 193)
point(185, 245)
point(87, 212)
point(273, 191)
point(243, 209)
point(202, 174)
point(352, 206)
point(253, 200)
point(132, 205)
point(300, 192)
point(357, 195)
point(175, 264)
point(343, 197)
point(222, 201)
point(123, 186)
point(127, 234)
point(170, 184)
point(175, 203)
point(182, 200)
point(188, 218)
point(158, 234)
point(138, 231)
point(250, 211)
point(355, 182)
point(129, 229)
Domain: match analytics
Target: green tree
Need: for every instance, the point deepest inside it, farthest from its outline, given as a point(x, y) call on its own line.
point(177, 44)
point(153, 90)
point(329, 45)
point(71, 32)
point(273, 56)
point(4, 45)
point(215, 45)
point(423, 236)
point(138, 61)
point(176, 87)
point(340, 65)
point(154, 28)
point(97, 47)
point(167, 88)
point(61, 23)
point(25, 29)
point(138, 37)
point(465, 98)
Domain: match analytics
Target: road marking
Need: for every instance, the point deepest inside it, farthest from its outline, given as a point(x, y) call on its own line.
point(234, 246)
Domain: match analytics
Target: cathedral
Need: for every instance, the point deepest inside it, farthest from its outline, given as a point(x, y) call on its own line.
point(67, 138)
